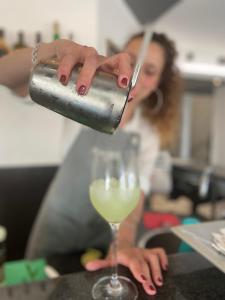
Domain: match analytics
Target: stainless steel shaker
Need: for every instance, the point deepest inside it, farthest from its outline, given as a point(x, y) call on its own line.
point(100, 109)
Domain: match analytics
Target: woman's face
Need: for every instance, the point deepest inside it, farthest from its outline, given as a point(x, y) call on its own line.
point(151, 71)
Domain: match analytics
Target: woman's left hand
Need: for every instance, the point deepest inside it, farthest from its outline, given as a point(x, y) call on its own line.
point(145, 264)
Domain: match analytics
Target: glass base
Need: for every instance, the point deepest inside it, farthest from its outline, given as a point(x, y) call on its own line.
point(125, 290)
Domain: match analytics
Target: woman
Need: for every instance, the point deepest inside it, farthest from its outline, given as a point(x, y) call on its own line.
point(16, 66)
point(67, 222)
point(155, 110)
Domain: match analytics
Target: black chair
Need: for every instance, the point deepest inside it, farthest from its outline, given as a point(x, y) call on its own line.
point(21, 193)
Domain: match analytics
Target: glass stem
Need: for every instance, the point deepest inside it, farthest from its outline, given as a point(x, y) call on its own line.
point(114, 278)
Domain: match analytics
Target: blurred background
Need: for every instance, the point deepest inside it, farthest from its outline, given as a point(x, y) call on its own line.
point(196, 27)
point(189, 178)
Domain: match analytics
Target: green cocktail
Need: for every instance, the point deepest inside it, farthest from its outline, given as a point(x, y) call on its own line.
point(113, 200)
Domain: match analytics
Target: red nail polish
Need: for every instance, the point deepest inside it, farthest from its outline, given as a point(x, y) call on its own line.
point(63, 79)
point(160, 280)
point(143, 277)
point(124, 81)
point(82, 90)
point(152, 288)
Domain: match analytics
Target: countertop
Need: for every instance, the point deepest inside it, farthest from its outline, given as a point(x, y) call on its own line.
point(190, 277)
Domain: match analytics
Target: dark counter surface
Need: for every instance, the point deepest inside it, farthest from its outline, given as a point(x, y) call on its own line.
point(190, 277)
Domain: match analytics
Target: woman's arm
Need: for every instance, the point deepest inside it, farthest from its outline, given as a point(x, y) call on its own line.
point(15, 68)
point(128, 228)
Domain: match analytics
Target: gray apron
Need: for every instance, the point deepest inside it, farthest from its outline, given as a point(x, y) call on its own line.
point(67, 221)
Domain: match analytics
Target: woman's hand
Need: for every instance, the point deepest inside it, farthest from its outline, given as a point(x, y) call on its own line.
point(145, 264)
point(16, 66)
point(69, 54)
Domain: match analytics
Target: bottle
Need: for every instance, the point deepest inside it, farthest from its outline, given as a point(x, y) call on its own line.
point(4, 49)
point(20, 43)
point(38, 38)
point(56, 31)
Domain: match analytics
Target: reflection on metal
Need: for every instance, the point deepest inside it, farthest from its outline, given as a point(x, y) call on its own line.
point(204, 182)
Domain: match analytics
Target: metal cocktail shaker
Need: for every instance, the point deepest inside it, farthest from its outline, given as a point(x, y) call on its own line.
point(100, 109)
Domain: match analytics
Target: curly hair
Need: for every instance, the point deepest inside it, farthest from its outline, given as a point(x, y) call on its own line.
point(170, 85)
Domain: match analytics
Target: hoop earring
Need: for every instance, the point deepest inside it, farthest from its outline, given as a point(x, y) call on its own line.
point(159, 103)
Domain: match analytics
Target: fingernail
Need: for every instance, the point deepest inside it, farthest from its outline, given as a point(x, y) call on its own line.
point(166, 267)
point(143, 277)
point(82, 90)
point(152, 288)
point(124, 81)
point(160, 279)
point(63, 79)
point(130, 99)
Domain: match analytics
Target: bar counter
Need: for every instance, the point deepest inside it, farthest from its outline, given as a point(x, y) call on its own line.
point(190, 277)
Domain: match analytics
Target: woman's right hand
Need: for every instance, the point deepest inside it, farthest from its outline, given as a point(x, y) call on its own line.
point(70, 53)
point(146, 265)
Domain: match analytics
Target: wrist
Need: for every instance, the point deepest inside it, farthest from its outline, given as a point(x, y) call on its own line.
point(123, 243)
point(44, 51)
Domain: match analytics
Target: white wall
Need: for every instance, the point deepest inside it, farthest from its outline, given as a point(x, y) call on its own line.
point(197, 26)
point(29, 134)
point(218, 132)
point(115, 23)
point(76, 16)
